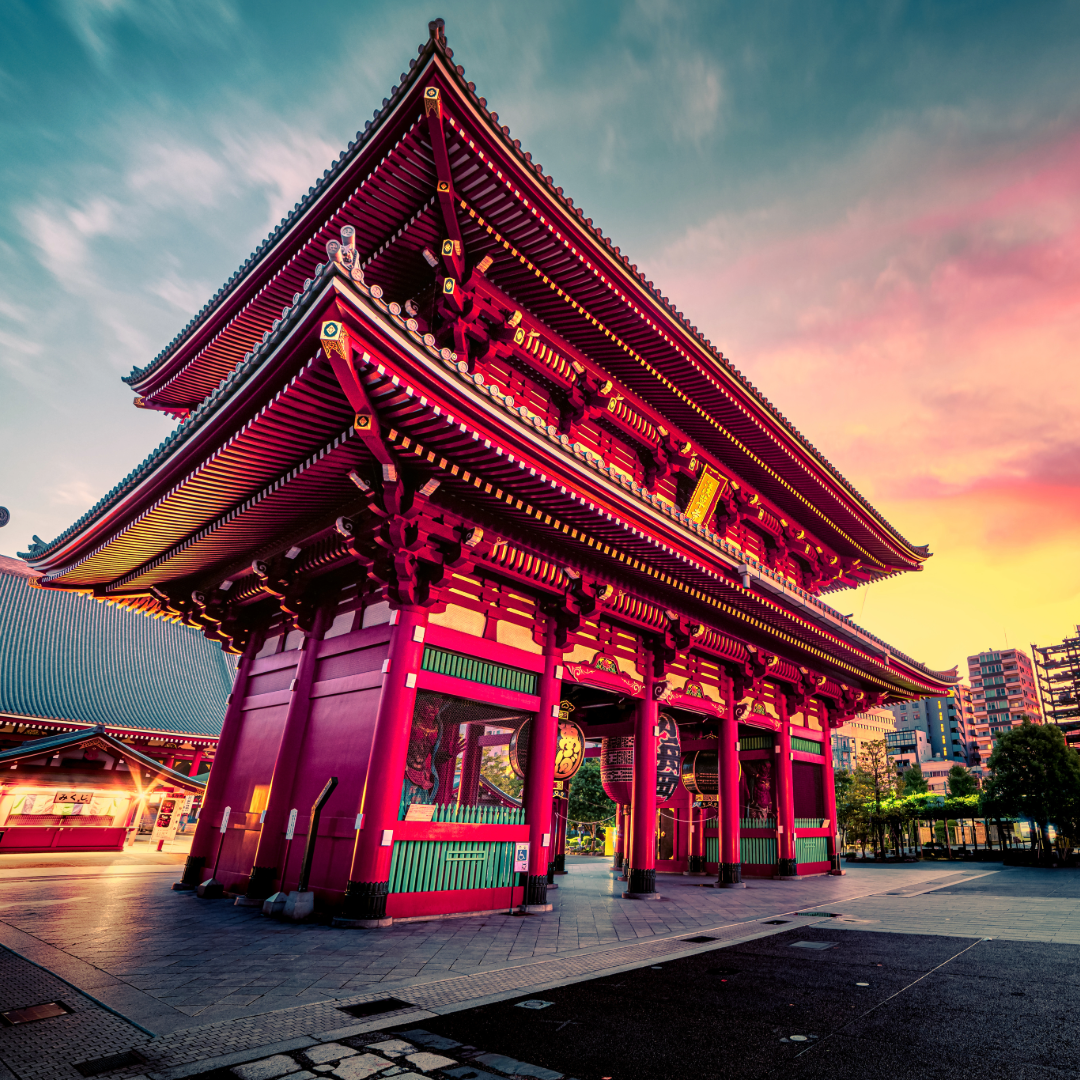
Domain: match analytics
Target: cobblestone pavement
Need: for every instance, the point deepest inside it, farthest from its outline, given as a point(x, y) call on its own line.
point(169, 960)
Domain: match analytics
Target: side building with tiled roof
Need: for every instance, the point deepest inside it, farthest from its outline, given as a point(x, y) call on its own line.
point(69, 662)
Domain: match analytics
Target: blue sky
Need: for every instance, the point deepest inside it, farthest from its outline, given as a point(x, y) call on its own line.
point(873, 208)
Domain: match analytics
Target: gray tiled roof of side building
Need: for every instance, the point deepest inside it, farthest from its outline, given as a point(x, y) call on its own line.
point(63, 656)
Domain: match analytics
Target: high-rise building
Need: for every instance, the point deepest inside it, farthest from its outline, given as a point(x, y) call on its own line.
point(1003, 693)
point(946, 721)
point(849, 739)
point(1057, 669)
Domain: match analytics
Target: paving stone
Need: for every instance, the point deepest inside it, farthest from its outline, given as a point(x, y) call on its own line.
point(331, 1051)
point(426, 1062)
point(268, 1069)
point(359, 1068)
point(396, 1047)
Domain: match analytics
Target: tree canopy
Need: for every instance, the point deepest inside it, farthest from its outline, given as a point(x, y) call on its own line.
point(960, 782)
point(1035, 774)
point(588, 802)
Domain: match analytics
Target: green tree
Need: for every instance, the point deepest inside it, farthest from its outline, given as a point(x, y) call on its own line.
point(877, 774)
point(588, 802)
point(495, 768)
point(914, 783)
point(1035, 774)
point(960, 782)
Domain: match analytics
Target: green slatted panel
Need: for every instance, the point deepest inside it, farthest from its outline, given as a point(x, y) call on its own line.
point(811, 849)
point(480, 815)
point(809, 823)
point(757, 823)
point(712, 849)
point(805, 746)
point(442, 865)
point(758, 850)
point(443, 662)
point(755, 742)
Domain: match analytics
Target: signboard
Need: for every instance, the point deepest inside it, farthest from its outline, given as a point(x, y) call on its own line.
point(291, 829)
point(420, 812)
point(521, 857)
point(709, 489)
point(225, 820)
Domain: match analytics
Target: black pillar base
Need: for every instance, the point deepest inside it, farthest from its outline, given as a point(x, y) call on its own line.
point(550, 879)
point(365, 900)
point(617, 862)
point(193, 873)
point(696, 864)
point(730, 874)
point(536, 890)
point(641, 881)
point(787, 868)
point(261, 882)
point(559, 863)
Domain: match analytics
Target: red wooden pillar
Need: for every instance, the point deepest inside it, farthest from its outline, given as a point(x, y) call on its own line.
point(540, 773)
point(561, 809)
point(196, 762)
point(785, 801)
point(369, 877)
point(471, 760)
point(204, 844)
point(695, 863)
point(730, 875)
point(264, 870)
point(641, 879)
point(830, 802)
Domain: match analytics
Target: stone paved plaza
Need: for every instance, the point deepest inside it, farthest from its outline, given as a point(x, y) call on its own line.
point(211, 980)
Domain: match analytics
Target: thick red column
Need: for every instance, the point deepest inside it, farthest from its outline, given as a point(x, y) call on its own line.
point(830, 801)
point(695, 863)
point(369, 878)
point(264, 870)
point(641, 879)
point(204, 844)
point(730, 875)
point(540, 774)
point(785, 802)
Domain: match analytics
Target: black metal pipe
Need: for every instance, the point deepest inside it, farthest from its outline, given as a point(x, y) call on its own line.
point(313, 829)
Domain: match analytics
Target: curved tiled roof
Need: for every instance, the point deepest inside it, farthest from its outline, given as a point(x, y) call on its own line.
point(418, 67)
point(64, 656)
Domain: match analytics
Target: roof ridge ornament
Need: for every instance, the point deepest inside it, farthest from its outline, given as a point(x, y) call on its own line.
point(437, 30)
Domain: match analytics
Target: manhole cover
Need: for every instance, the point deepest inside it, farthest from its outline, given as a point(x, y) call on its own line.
point(776, 922)
point(534, 1003)
point(373, 1008)
point(97, 1066)
point(813, 944)
point(699, 940)
point(30, 1013)
point(821, 914)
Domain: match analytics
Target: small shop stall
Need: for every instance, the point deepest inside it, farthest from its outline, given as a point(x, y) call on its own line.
point(86, 791)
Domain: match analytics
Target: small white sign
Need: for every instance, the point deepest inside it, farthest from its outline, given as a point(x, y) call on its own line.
point(387, 838)
point(292, 825)
point(547, 840)
point(359, 822)
point(225, 819)
point(521, 857)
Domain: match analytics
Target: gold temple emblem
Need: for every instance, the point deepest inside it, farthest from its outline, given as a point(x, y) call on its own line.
point(432, 101)
point(335, 339)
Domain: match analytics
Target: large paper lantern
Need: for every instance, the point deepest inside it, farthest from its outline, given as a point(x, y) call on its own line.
point(700, 774)
point(569, 750)
point(617, 763)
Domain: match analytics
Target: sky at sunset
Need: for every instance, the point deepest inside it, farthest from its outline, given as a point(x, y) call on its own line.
point(873, 209)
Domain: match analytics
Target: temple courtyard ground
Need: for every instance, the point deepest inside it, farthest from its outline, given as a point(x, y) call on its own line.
point(933, 969)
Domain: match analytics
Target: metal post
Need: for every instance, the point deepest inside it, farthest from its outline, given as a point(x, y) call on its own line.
point(313, 828)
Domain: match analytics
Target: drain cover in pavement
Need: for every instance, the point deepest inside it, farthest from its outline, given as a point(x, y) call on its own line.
point(373, 1008)
point(699, 940)
point(776, 922)
point(813, 944)
point(34, 1012)
point(534, 1003)
point(97, 1066)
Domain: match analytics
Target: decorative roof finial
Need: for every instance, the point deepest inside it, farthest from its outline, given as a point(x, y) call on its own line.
point(437, 30)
